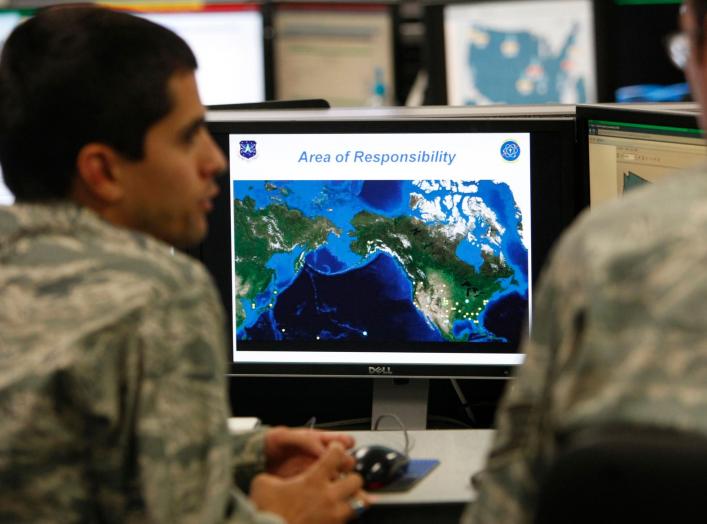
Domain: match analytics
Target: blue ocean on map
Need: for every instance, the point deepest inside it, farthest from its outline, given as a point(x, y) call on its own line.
point(340, 307)
point(331, 292)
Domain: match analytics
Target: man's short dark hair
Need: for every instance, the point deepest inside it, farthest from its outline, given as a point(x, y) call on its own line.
point(699, 8)
point(70, 76)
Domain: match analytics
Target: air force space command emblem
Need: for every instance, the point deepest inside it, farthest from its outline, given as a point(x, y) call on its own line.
point(248, 150)
point(510, 150)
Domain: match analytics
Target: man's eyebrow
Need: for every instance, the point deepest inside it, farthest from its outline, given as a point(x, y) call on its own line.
point(190, 129)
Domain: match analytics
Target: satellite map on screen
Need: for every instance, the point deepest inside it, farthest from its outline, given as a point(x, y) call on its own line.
point(419, 261)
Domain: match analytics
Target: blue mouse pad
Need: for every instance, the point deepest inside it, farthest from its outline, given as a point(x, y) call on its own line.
point(417, 470)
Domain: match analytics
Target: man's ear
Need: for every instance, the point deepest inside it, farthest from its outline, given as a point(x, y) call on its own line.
point(98, 171)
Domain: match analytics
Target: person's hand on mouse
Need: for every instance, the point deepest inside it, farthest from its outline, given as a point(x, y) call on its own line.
point(291, 451)
point(326, 493)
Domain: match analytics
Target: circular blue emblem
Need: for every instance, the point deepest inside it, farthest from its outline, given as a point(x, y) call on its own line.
point(510, 150)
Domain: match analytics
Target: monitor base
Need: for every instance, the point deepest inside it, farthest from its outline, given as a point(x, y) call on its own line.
point(405, 398)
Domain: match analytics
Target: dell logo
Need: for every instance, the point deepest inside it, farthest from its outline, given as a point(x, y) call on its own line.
point(379, 370)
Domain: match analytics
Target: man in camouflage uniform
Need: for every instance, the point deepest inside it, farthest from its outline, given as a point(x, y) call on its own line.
point(112, 351)
point(620, 327)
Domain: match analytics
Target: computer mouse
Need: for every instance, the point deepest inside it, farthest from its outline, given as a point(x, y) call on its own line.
point(379, 465)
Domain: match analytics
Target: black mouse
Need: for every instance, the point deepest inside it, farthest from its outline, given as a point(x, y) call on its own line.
point(379, 465)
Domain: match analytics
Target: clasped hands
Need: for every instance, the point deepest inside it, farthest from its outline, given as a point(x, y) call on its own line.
point(309, 478)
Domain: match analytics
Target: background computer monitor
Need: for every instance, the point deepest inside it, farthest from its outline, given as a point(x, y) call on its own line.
point(6, 197)
point(635, 32)
point(341, 52)
point(622, 149)
point(228, 42)
point(512, 52)
point(9, 18)
point(360, 266)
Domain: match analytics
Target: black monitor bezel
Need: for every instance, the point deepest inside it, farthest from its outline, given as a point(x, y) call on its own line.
point(559, 209)
point(585, 113)
point(434, 52)
point(644, 60)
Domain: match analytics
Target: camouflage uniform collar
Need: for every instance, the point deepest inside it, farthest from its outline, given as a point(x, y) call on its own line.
point(32, 218)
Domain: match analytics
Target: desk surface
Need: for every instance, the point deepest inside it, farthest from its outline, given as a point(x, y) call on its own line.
point(461, 452)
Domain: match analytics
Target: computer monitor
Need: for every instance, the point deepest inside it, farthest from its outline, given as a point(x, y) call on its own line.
point(391, 248)
point(9, 18)
point(6, 196)
point(512, 52)
point(228, 42)
point(635, 31)
point(343, 53)
point(622, 149)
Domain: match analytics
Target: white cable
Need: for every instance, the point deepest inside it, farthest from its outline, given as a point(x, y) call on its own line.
point(400, 423)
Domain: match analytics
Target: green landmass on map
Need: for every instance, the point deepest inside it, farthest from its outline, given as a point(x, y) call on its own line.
point(262, 233)
point(445, 288)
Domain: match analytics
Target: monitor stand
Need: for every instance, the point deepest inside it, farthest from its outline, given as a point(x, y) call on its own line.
point(405, 398)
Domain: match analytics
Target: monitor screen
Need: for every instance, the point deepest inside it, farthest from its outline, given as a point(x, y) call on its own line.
point(516, 52)
point(8, 20)
point(342, 53)
point(636, 55)
point(227, 40)
point(629, 148)
point(406, 244)
point(6, 197)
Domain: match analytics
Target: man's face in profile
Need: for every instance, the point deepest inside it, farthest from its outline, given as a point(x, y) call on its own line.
point(168, 192)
